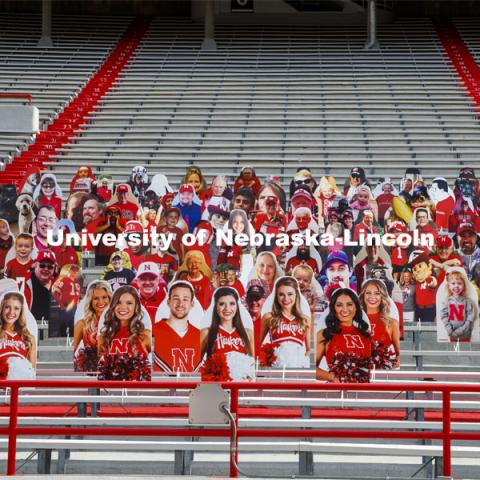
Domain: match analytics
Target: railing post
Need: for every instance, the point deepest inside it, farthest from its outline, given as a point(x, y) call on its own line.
point(234, 441)
point(447, 443)
point(12, 432)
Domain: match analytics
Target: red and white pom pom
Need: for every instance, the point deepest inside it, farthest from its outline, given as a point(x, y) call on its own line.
point(241, 366)
point(20, 369)
point(291, 355)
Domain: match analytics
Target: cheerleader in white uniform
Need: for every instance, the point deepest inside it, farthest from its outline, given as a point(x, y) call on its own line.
point(286, 325)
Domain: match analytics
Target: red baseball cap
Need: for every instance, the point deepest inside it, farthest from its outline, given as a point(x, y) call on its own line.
point(133, 227)
point(186, 188)
point(46, 255)
point(444, 241)
point(122, 188)
point(465, 227)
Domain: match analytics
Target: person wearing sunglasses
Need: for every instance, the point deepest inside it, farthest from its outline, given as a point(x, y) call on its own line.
point(38, 286)
point(357, 178)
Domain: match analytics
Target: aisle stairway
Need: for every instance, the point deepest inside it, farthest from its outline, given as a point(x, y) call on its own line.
point(55, 75)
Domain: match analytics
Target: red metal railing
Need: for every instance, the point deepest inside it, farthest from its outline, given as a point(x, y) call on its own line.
point(17, 95)
point(445, 435)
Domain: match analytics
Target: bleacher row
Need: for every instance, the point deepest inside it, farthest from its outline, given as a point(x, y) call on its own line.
point(270, 97)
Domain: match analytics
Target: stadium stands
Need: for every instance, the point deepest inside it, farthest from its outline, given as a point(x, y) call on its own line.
point(272, 96)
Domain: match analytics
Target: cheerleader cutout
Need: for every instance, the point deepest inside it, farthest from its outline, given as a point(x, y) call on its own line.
point(457, 308)
point(286, 327)
point(226, 341)
point(124, 342)
point(384, 328)
point(343, 347)
point(18, 349)
point(87, 316)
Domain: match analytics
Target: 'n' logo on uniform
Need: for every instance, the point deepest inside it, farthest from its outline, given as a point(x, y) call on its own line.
point(354, 341)
point(457, 312)
point(183, 359)
point(119, 346)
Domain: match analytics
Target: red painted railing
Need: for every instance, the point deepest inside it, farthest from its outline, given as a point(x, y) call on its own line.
point(17, 95)
point(445, 435)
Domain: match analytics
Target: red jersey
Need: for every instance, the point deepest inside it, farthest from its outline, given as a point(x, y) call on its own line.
point(15, 269)
point(69, 294)
point(287, 331)
point(120, 344)
point(399, 256)
point(12, 345)
point(229, 341)
point(349, 341)
point(425, 296)
point(173, 352)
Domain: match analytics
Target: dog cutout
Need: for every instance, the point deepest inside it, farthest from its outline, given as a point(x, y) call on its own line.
point(24, 206)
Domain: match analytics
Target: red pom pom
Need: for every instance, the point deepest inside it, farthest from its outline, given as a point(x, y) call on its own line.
point(215, 369)
point(267, 355)
point(350, 368)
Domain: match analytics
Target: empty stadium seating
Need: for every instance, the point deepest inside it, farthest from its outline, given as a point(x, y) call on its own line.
point(55, 75)
point(282, 98)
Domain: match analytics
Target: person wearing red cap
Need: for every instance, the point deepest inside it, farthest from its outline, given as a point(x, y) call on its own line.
point(150, 286)
point(39, 284)
point(128, 210)
point(444, 257)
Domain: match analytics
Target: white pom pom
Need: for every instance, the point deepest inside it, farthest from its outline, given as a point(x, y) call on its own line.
point(291, 355)
point(241, 366)
point(20, 369)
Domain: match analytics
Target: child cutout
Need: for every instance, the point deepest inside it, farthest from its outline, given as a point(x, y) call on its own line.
point(457, 308)
point(18, 267)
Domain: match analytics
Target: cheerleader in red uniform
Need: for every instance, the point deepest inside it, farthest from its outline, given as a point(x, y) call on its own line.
point(15, 338)
point(96, 301)
point(287, 324)
point(124, 344)
point(384, 329)
point(227, 343)
point(345, 342)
